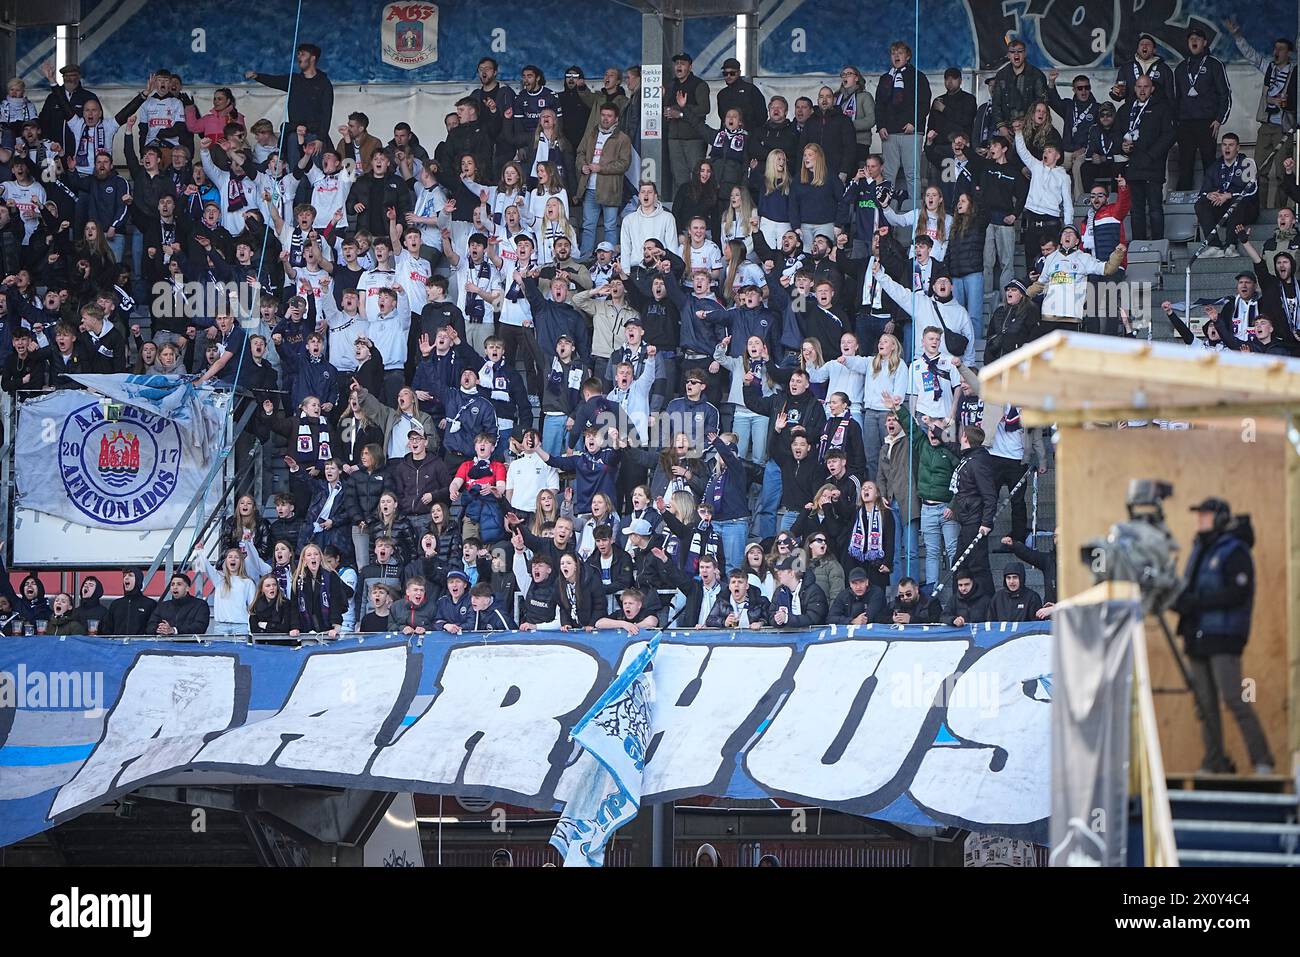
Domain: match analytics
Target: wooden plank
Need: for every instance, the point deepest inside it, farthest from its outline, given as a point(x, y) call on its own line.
point(1093, 468)
point(1233, 414)
point(1292, 459)
point(1061, 369)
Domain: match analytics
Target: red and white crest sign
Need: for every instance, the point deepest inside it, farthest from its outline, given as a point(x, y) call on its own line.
point(409, 34)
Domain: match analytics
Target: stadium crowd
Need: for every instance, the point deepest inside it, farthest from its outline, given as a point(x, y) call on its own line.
point(513, 388)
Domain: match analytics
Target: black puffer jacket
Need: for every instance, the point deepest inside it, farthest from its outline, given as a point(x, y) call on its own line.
point(972, 608)
point(966, 250)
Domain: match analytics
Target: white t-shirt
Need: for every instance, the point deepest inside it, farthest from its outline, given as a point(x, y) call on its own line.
point(527, 476)
point(922, 385)
point(413, 272)
point(328, 193)
point(484, 275)
point(29, 200)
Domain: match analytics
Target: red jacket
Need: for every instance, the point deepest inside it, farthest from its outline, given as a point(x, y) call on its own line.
point(1107, 228)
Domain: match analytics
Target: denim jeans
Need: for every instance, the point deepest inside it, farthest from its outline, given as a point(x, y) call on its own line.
point(969, 291)
point(591, 212)
point(735, 533)
point(1000, 250)
point(905, 548)
point(901, 151)
point(553, 434)
point(118, 245)
point(769, 497)
point(939, 533)
point(873, 437)
point(139, 291)
point(786, 519)
point(751, 434)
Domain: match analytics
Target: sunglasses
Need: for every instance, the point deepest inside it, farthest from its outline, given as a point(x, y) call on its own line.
point(817, 541)
point(731, 73)
point(783, 543)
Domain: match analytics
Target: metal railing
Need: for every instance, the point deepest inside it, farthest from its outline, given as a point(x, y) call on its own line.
point(165, 554)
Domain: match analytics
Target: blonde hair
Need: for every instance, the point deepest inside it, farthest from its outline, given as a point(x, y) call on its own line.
point(895, 355)
point(818, 166)
point(302, 562)
point(225, 572)
point(775, 180)
point(683, 506)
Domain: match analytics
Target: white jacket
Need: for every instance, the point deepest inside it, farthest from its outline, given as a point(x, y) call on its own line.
point(1065, 282)
point(1050, 191)
point(922, 310)
point(638, 227)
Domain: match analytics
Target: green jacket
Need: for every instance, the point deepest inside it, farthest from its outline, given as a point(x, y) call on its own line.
point(935, 464)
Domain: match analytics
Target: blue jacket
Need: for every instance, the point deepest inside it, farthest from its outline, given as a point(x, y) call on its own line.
point(743, 323)
point(1219, 592)
point(447, 611)
point(776, 205)
point(554, 319)
point(596, 472)
point(814, 204)
point(439, 376)
point(727, 490)
point(101, 200)
point(509, 396)
point(698, 419)
point(475, 414)
point(699, 335)
point(318, 378)
point(494, 618)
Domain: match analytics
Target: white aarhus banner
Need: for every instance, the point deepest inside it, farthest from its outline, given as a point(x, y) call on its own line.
point(131, 458)
point(927, 726)
point(408, 34)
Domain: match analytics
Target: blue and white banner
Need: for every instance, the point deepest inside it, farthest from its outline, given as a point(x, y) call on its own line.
point(616, 732)
point(133, 458)
point(916, 725)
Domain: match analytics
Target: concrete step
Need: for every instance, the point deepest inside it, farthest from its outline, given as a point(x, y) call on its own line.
point(1237, 859)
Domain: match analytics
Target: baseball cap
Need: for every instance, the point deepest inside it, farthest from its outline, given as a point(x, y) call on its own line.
point(638, 526)
point(1147, 36)
point(1197, 32)
point(683, 57)
point(1211, 504)
point(786, 565)
point(1245, 275)
point(1107, 109)
point(858, 575)
point(731, 63)
point(604, 247)
point(457, 573)
point(634, 321)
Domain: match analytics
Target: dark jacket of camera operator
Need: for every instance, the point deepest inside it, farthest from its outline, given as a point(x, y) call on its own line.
point(1219, 590)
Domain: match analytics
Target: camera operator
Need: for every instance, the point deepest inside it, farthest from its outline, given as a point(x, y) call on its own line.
point(1214, 619)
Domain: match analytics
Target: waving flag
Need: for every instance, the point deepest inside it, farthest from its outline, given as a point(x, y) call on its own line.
point(616, 733)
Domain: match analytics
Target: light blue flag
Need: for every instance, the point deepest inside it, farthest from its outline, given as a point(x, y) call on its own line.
point(172, 397)
point(616, 733)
